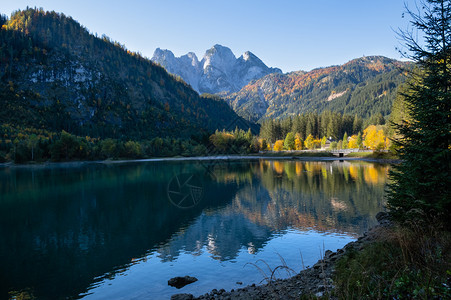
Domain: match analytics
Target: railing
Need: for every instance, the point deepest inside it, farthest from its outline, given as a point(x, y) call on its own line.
point(340, 152)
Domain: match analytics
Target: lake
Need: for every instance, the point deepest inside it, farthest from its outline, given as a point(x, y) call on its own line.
point(122, 230)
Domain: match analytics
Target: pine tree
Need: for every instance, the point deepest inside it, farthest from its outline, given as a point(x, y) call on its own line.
point(421, 183)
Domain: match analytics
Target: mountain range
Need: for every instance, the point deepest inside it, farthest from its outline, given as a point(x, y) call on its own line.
point(56, 75)
point(364, 86)
point(219, 71)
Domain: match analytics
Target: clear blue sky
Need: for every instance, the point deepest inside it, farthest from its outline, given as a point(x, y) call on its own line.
point(289, 34)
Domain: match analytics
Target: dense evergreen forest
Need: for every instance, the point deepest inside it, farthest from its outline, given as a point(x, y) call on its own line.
point(329, 124)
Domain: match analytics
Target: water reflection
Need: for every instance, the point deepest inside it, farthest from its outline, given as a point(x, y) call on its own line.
point(64, 230)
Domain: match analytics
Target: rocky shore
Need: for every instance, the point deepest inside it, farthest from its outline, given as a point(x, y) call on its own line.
point(314, 281)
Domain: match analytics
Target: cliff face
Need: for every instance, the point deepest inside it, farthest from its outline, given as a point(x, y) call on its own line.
point(219, 71)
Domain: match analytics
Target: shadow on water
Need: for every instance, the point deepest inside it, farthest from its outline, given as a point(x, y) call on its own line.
point(61, 229)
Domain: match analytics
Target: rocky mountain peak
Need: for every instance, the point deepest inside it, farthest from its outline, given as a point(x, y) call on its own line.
point(219, 71)
point(249, 56)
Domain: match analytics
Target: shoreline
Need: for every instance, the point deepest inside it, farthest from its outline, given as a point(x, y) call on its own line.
point(195, 158)
point(315, 281)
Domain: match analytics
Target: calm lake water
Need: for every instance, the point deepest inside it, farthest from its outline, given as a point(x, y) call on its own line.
point(104, 231)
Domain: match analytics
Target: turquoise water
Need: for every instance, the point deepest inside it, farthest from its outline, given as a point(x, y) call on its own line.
point(103, 231)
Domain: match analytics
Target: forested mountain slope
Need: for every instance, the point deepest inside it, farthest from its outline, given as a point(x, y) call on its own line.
point(55, 75)
point(365, 86)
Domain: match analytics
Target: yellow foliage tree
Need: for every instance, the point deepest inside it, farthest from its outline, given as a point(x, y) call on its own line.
point(298, 143)
point(352, 143)
point(374, 138)
point(309, 142)
point(278, 146)
point(316, 143)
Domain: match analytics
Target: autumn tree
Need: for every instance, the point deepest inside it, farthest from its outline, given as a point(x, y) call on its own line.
point(374, 138)
point(309, 142)
point(316, 143)
point(352, 144)
point(359, 140)
point(278, 145)
point(298, 142)
point(421, 183)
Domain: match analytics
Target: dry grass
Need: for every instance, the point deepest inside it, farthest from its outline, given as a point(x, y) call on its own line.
point(402, 263)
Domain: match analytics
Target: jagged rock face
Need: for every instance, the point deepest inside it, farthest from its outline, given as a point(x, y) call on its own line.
point(187, 66)
point(219, 71)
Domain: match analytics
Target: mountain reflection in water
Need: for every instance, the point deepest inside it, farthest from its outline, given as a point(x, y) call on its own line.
point(67, 231)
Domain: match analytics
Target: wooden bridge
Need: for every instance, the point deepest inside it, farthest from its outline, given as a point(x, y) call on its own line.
point(345, 152)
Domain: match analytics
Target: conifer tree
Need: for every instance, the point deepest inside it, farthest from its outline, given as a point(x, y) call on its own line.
point(421, 183)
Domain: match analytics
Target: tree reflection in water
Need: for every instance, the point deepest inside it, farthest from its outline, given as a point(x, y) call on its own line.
point(64, 229)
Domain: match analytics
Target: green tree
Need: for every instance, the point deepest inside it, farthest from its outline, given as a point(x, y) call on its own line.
point(421, 183)
point(108, 148)
point(264, 145)
point(289, 143)
point(345, 141)
point(68, 147)
point(133, 149)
